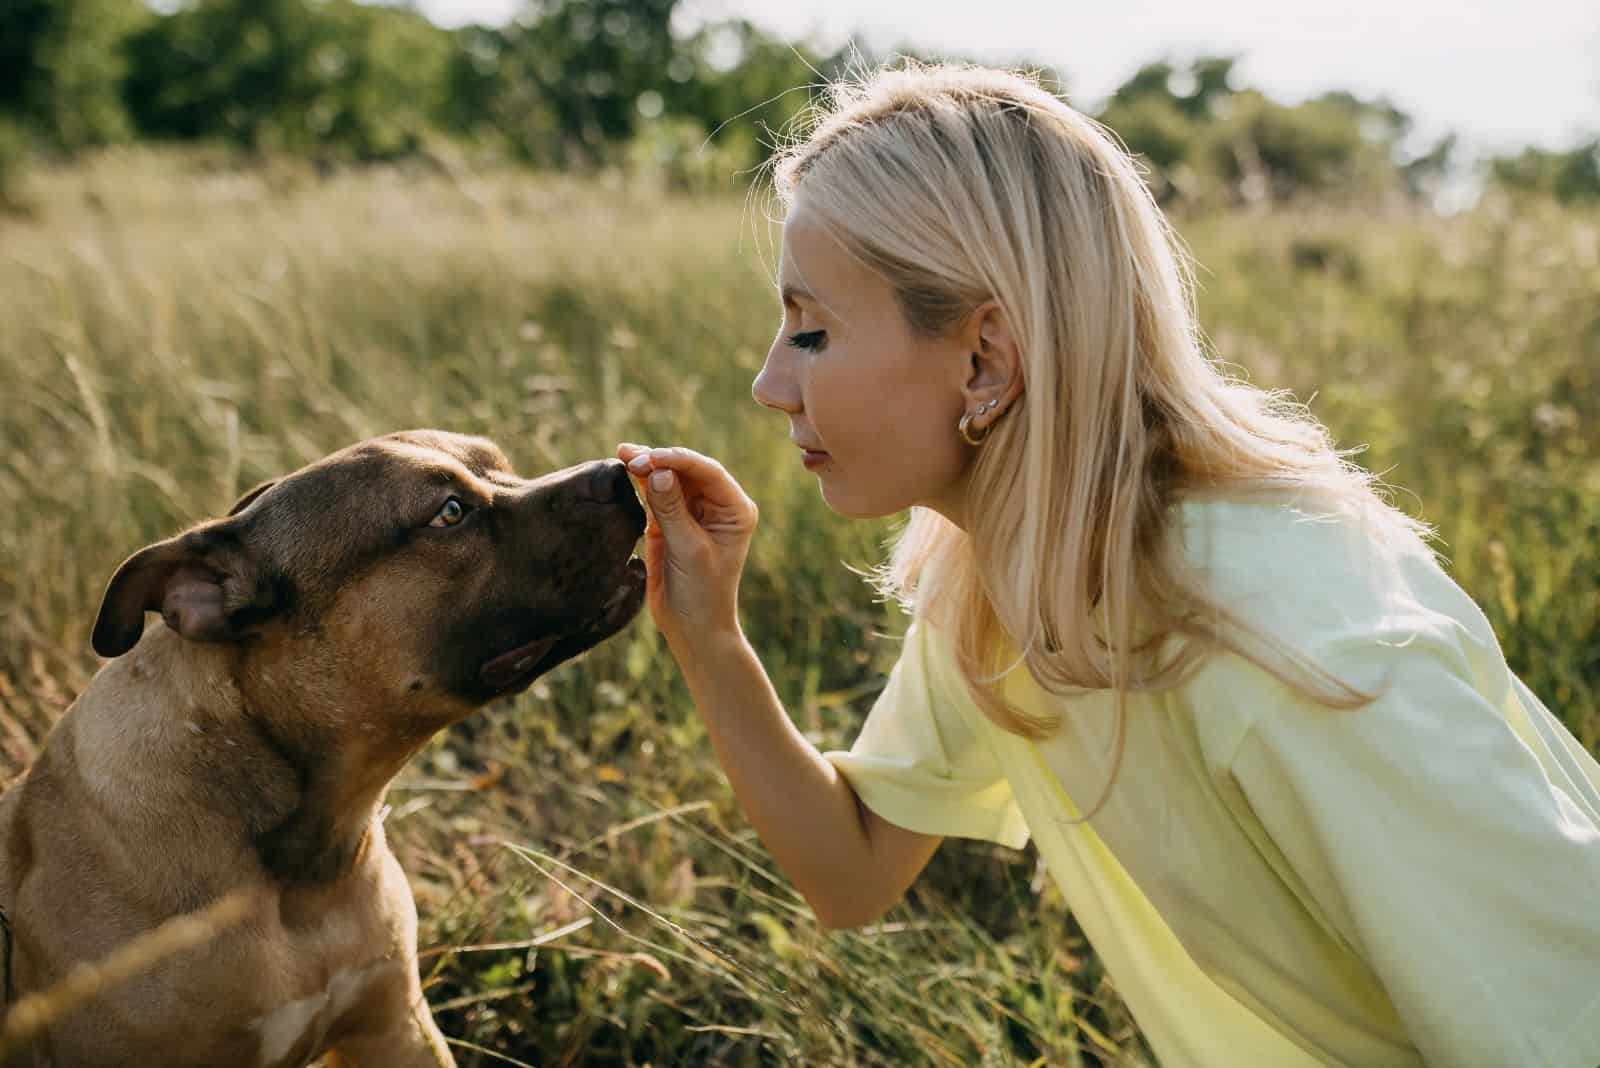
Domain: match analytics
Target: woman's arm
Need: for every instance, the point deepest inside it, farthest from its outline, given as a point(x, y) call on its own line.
point(849, 864)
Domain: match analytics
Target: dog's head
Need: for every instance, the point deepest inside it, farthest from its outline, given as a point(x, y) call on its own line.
point(415, 568)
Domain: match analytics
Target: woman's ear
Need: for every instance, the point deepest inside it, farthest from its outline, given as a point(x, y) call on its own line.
point(204, 582)
point(995, 370)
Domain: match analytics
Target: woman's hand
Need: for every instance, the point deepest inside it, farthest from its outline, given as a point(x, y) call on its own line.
point(696, 538)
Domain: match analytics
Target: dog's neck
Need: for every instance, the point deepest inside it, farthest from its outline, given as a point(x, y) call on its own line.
point(342, 781)
point(303, 790)
point(343, 769)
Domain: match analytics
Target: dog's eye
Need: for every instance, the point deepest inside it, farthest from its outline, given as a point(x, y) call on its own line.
point(450, 514)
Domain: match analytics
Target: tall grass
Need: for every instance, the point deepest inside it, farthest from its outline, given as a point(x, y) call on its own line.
point(174, 329)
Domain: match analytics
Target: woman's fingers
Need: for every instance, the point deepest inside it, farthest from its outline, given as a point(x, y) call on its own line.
point(701, 475)
point(698, 532)
point(626, 451)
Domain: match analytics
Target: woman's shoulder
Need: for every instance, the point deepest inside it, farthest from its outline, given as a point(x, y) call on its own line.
point(1360, 596)
point(1318, 573)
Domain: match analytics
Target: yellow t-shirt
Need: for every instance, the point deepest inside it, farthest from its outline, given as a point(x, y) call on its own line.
point(1274, 883)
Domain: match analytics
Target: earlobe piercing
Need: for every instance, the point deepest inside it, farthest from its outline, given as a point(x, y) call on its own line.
point(964, 426)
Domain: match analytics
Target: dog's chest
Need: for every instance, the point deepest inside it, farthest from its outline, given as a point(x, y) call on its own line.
point(335, 976)
point(291, 1033)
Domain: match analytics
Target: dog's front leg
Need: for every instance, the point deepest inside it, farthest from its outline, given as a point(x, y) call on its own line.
point(414, 1041)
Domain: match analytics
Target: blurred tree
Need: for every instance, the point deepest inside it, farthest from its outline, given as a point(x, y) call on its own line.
point(1194, 92)
point(1159, 114)
point(561, 83)
point(1425, 174)
point(61, 69)
point(336, 75)
point(1262, 149)
point(575, 82)
point(1157, 124)
point(1206, 140)
point(1210, 77)
point(585, 82)
point(1570, 176)
point(13, 164)
point(745, 87)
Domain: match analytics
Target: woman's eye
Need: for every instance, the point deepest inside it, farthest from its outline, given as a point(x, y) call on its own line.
point(810, 339)
point(450, 514)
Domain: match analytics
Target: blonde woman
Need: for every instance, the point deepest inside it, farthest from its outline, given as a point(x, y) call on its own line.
point(1269, 750)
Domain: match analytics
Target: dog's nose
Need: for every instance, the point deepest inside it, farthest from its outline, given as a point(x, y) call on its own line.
point(606, 481)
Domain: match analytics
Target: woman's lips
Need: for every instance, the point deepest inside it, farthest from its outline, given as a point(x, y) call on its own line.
point(814, 458)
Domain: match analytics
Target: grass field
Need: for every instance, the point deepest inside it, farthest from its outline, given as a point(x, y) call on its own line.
point(174, 329)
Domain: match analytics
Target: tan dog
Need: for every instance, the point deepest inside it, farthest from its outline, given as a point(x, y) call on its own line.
point(314, 640)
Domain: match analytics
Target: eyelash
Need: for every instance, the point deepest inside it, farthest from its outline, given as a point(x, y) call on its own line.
point(810, 339)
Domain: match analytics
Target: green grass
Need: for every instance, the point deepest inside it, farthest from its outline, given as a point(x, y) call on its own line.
point(174, 329)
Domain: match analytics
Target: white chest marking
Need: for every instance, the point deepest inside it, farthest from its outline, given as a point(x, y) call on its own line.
point(284, 1027)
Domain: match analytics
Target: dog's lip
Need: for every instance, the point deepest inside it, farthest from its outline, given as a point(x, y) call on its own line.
point(527, 660)
point(504, 669)
point(629, 594)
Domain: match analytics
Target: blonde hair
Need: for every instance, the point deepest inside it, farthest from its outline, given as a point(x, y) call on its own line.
point(961, 184)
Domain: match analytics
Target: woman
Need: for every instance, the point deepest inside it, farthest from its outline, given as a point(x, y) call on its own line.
point(1271, 753)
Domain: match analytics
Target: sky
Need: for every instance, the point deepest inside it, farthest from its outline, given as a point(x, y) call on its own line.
point(1501, 74)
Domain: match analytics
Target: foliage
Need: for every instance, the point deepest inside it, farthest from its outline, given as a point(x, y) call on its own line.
point(588, 891)
point(570, 86)
point(561, 82)
point(61, 68)
point(746, 87)
point(13, 164)
point(1208, 141)
point(1570, 176)
point(575, 83)
point(333, 76)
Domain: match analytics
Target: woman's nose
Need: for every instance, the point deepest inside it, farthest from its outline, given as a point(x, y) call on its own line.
point(775, 387)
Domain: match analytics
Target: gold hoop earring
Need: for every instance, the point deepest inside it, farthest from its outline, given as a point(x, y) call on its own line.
point(964, 426)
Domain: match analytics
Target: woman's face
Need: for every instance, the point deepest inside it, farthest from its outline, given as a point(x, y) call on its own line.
point(874, 403)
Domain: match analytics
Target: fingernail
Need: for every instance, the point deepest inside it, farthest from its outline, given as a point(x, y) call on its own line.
point(661, 481)
point(640, 463)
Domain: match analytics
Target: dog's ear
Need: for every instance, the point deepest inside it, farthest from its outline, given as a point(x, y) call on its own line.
point(204, 582)
point(244, 502)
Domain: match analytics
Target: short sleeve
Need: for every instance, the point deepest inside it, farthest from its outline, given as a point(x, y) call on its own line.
point(918, 761)
point(1432, 840)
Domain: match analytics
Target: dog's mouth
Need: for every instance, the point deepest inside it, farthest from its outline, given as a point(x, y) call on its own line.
point(515, 669)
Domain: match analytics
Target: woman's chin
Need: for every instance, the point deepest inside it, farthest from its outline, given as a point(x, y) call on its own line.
point(850, 506)
point(839, 503)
